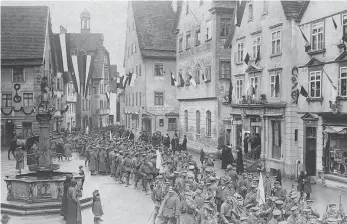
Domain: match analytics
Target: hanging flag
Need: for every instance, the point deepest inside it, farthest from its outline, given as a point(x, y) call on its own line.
point(86, 80)
point(240, 8)
point(107, 97)
point(303, 35)
point(335, 25)
point(303, 92)
point(77, 75)
point(260, 191)
point(173, 79)
point(191, 80)
point(230, 90)
point(125, 81)
point(62, 38)
point(181, 80)
point(130, 77)
point(258, 57)
point(277, 83)
point(246, 59)
point(133, 79)
point(331, 81)
point(159, 164)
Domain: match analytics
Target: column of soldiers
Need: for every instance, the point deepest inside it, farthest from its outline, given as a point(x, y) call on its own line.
point(182, 193)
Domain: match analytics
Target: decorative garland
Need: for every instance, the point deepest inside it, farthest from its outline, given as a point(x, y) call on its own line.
point(18, 110)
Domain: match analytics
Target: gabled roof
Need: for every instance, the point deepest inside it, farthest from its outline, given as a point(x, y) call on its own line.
point(314, 62)
point(23, 31)
point(253, 69)
point(294, 9)
point(154, 22)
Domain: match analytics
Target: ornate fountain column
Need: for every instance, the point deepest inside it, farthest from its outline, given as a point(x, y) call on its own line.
point(45, 154)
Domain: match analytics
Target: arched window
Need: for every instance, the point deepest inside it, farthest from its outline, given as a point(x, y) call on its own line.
point(186, 120)
point(197, 122)
point(208, 123)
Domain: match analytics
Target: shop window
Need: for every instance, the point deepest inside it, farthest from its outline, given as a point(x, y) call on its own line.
point(338, 152)
point(18, 75)
point(172, 124)
point(186, 120)
point(208, 123)
point(315, 84)
point(343, 81)
point(28, 99)
point(276, 139)
point(197, 122)
point(161, 122)
point(27, 129)
point(7, 100)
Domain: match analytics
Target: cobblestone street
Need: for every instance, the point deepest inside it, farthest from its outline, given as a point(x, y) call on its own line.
point(133, 206)
point(121, 205)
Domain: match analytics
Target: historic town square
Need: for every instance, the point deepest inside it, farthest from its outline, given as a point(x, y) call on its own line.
point(174, 112)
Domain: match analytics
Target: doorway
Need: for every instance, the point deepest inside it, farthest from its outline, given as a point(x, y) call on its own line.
point(146, 125)
point(227, 136)
point(311, 151)
point(238, 134)
point(9, 131)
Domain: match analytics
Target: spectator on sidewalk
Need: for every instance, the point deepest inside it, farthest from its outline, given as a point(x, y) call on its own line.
point(202, 156)
point(184, 143)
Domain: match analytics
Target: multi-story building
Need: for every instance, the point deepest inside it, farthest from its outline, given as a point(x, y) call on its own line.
point(148, 102)
point(85, 73)
point(25, 59)
point(114, 100)
point(204, 72)
point(264, 54)
point(322, 72)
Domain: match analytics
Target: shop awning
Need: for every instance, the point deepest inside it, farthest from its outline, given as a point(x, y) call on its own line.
point(335, 130)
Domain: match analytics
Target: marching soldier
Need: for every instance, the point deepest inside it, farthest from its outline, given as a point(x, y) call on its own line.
point(169, 210)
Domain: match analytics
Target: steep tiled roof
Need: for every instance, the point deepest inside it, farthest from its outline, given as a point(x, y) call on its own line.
point(294, 9)
point(88, 42)
point(154, 22)
point(23, 30)
point(158, 54)
point(98, 64)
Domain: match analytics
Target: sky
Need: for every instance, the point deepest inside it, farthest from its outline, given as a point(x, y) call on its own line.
point(108, 17)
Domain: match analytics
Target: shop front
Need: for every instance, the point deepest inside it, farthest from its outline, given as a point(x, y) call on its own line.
point(334, 155)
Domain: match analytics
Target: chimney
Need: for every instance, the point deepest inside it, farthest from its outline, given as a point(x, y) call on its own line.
point(62, 29)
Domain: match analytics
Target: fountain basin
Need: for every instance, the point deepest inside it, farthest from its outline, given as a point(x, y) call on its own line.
point(45, 186)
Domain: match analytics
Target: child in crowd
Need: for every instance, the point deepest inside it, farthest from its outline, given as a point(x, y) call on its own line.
point(81, 173)
point(96, 207)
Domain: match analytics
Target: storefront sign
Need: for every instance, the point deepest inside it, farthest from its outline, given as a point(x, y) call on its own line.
point(237, 122)
point(256, 124)
point(160, 109)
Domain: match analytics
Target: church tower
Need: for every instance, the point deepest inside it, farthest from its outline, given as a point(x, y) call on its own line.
point(85, 21)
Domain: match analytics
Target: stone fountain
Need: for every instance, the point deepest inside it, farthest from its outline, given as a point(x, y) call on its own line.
point(41, 190)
